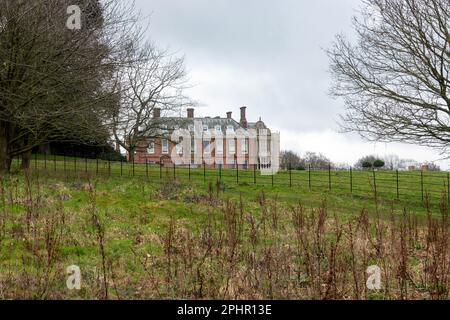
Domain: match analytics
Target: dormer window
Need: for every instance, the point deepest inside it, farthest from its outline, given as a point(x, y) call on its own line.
point(230, 128)
point(205, 128)
point(218, 129)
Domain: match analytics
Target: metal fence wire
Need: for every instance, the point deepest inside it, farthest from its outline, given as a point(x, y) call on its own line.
point(406, 185)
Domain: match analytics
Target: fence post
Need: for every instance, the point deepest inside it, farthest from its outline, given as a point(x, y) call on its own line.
point(220, 172)
point(309, 177)
point(329, 177)
point(204, 171)
point(421, 184)
point(351, 180)
point(160, 169)
point(146, 167)
point(374, 182)
point(237, 173)
point(174, 171)
point(254, 173)
point(448, 192)
point(272, 178)
point(290, 176)
point(398, 189)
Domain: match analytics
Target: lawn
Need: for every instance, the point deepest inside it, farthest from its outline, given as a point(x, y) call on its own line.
point(404, 187)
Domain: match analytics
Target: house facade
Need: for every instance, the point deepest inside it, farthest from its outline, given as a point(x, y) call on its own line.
point(212, 142)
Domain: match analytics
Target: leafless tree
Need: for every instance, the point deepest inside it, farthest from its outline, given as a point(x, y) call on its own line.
point(153, 82)
point(289, 159)
point(316, 161)
point(54, 81)
point(395, 78)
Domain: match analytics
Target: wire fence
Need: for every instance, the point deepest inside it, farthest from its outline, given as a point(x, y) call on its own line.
point(411, 186)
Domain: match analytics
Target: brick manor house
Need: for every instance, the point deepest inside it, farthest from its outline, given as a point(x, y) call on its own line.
point(218, 146)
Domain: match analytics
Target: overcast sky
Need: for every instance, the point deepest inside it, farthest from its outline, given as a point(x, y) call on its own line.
point(268, 56)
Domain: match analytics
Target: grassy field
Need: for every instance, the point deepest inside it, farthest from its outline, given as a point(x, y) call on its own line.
point(406, 188)
point(154, 236)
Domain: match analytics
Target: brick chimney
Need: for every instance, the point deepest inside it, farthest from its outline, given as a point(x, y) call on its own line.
point(229, 114)
point(243, 121)
point(190, 113)
point(157, 113)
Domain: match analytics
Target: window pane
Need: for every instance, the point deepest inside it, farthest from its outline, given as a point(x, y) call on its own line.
point(232, 146)
point(165, 146)
point(219, 146)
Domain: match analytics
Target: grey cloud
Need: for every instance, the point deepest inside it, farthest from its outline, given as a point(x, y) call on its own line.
point(267, 55)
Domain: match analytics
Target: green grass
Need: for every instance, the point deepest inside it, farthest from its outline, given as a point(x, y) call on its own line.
point(404, 188)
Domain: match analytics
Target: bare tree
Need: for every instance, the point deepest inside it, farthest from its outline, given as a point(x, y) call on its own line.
point(289, 159)
point(395, 79)
point(154, 82)
point(316, 161)
point(54, 81)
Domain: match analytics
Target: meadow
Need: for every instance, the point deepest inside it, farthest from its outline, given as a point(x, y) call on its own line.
point(162, 233)
point(399, 187)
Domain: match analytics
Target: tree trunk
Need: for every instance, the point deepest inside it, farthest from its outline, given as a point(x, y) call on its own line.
point(26, 160)
point(5, 152)
point(131, 155)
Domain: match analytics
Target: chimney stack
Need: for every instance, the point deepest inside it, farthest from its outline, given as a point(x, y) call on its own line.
point(229, 114)
point(243, 120)
point(157, 113)
point(190, 113)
